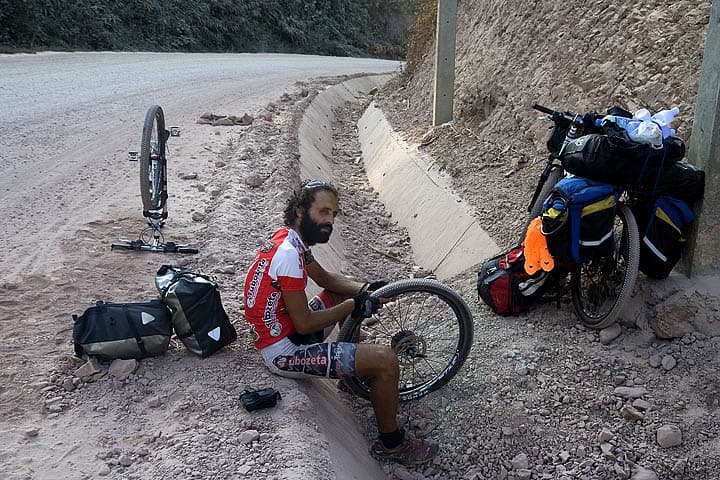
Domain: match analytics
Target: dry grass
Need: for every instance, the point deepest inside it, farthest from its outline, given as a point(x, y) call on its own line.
point(422, 33)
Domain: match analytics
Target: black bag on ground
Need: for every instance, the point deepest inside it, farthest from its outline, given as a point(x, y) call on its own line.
point(664, 224)
point(578, 219)
point(256, 399)
point(122, 330)
point(505, 286)
point(198, 316)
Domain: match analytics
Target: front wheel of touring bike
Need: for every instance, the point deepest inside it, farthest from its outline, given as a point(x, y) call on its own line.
point(153, 164)
point(426, 324)
point(602, 287)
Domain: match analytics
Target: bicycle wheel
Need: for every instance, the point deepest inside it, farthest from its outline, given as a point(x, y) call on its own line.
point(536, 209)
point(601, 288)
point(153, 166)
point(429, 327)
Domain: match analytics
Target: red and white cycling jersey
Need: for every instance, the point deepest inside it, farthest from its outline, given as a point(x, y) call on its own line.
point(278, 266)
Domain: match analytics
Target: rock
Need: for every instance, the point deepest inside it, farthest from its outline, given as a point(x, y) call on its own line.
point(680, 466)
point(630, 413)
point(198, 217)
point(154, 402)
point(244, 120)
point(267, 116)
point(254, 180)
point(31, 432)
point(523, 474)
point(68, 384)
point(641, 404)
point(223, 122)
point(188, 176)
point(88, 370)
point(655, 360)
point(607, 335)
point(644, 474)
point(104, 471)
point(244, 470)
point(215, 192)
point(204, 121)
point(125, 460)
point(220, 164)
point(122, 369)
point(401, 473)
point(208, 116)
point(564, 456)
point(248, 436)
point(226, 270)
point(629, 392)
point(669, 436)
point(668, 362)
point(520, 461)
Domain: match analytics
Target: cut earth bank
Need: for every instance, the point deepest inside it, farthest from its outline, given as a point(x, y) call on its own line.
point(539, 395)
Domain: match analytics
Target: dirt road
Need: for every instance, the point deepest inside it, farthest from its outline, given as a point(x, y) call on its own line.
point(68, 191)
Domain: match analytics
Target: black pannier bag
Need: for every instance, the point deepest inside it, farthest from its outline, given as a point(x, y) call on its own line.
point(198, 316)
point(122, 330)
point(578, 219)
point(664, 224)
point(505, 286)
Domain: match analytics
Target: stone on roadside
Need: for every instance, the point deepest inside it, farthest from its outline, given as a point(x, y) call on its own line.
point(88, 370)
point(401, 473)
point(523, 474)
point(187, 176)
point(655, 360)
point(630, 413)
point(245, 120)
point(31, 432)
point(254, 180)
point(644, 474)
point(104, 471)
point(668, 362)
point(198, 217)
point(629, 392)
point(68, 384)
point(605, 435)
point(223, 122)
point(520, 461)
point(125, 460)
point(607, 335)
point(122, 369)
point(641, 404)
point(248, 436)
point(669, 436)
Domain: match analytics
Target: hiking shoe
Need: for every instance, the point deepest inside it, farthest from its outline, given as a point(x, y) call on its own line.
point(410, 452)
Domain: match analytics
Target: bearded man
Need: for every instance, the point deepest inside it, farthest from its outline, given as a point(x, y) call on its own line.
point(290, 331)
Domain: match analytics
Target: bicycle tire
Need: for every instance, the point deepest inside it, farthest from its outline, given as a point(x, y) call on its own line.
point(536, 209)
point(153, 182)
point(399, 326)
point(601, 288)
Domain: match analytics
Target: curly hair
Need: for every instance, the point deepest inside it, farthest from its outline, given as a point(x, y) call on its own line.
point(303, 196)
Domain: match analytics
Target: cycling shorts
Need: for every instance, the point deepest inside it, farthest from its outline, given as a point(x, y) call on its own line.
point(299, 358)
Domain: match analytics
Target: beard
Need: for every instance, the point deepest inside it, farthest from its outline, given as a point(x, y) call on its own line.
point(311, 231)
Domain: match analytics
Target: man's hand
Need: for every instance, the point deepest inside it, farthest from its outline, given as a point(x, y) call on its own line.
point(365, 305)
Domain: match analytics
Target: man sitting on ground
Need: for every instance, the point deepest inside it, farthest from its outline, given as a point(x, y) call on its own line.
point(290, 331)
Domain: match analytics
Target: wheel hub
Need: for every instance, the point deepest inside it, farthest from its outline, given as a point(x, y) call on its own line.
point(408, 346)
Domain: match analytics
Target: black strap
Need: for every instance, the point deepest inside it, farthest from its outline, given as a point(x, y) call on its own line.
point(138, 338)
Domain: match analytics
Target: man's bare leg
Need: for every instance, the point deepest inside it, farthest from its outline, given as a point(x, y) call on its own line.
point(381, 364)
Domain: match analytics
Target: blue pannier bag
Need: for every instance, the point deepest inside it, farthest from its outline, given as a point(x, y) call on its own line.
point(664, 224)
point(578, 218)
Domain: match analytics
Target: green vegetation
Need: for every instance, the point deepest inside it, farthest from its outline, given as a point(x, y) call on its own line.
point(330, 27)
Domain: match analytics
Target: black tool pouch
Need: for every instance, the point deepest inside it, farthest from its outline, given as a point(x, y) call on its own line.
point(256, 399)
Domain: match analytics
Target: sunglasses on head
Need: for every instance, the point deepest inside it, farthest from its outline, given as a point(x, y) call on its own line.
point(314, 184)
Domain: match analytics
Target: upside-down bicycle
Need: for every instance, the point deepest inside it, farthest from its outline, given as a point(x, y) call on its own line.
point(153, 188)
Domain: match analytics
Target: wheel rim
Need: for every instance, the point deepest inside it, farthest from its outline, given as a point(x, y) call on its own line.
point(598, 283)
point(423, 330)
